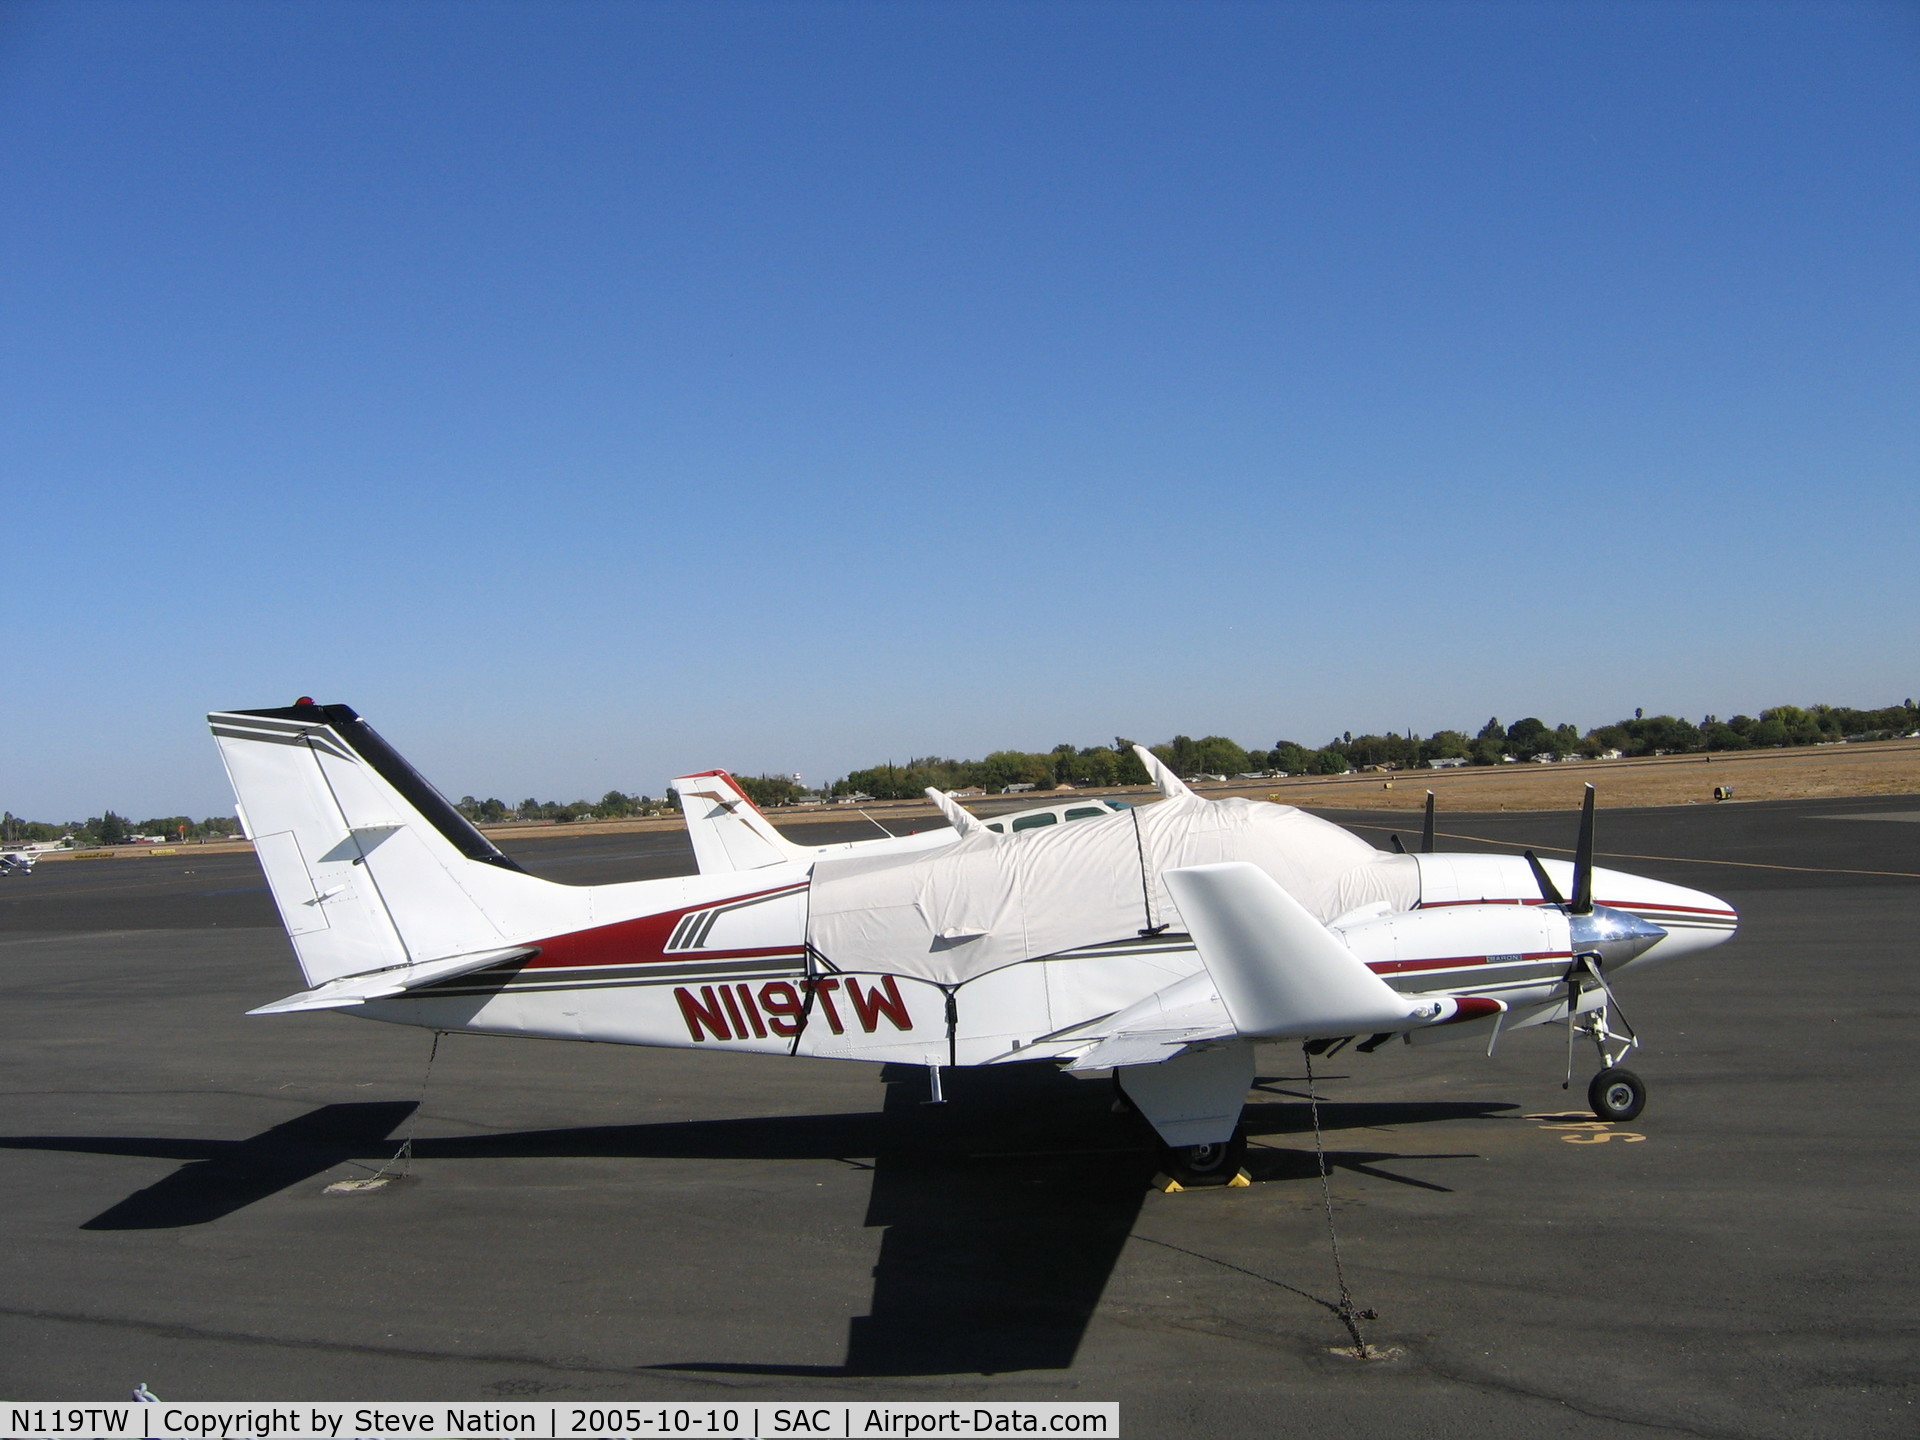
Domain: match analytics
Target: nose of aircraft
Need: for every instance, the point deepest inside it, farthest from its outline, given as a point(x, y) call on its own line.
point(1692, 919)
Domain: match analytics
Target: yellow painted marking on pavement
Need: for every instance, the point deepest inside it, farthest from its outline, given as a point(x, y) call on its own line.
point(1594, 1132)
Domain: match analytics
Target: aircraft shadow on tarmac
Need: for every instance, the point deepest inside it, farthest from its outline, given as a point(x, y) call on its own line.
point(1004, 1210)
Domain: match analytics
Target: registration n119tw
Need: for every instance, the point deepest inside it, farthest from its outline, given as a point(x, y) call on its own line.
point(1157, 942)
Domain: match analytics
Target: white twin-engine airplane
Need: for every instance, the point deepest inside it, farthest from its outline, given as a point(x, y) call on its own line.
point(1159, 942)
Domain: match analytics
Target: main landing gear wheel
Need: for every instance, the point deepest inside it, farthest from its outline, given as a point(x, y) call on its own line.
point(1213, 1164)
point(1617, 1094)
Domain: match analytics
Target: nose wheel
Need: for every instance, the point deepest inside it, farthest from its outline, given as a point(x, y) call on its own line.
point(1617, 1094)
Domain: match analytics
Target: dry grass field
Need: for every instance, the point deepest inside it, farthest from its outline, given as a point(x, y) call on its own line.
point(1890, 767)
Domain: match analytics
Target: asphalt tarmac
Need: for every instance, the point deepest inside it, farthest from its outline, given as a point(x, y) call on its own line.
point(600, 1222)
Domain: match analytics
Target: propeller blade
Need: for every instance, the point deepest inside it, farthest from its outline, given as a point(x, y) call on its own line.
point(1583, 860)
point(1398, 848)
point(1426, 830)
point(1549, 892)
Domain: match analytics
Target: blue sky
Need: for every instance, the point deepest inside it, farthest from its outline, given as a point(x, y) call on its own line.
point(586, 392)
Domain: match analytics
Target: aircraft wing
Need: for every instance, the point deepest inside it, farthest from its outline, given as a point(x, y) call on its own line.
point(1271, 971)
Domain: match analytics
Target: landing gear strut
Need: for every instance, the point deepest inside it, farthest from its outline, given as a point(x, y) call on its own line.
point(1615, 1093)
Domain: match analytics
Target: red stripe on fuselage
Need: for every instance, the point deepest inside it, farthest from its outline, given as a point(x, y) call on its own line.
point(1455, 962)
point(644, 939)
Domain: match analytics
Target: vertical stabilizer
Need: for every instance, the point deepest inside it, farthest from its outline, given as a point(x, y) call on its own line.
point(727, 829)
point(371, 867)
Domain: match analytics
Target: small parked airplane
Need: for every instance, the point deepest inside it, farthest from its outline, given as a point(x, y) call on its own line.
point(17, 862)
point(1158, 942)
point(730, 833)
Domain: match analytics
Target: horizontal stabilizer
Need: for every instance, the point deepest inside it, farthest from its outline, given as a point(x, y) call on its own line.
point(1279, 971)
point(358, 989)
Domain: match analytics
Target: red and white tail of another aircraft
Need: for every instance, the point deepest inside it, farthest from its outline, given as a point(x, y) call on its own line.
point(1159, 942)
point(730, 833)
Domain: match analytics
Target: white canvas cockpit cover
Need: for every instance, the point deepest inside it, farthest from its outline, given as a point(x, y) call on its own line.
point(991, 900)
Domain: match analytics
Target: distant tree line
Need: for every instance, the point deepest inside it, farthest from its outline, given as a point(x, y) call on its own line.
point(614, 805)
point(1113, 764)
point(115, 829)
point(763, 790)
point(769, 790)
point(1492, 744)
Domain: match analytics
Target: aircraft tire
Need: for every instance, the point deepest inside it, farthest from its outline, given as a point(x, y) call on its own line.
point(1617, 1094)
point(1214, 1164)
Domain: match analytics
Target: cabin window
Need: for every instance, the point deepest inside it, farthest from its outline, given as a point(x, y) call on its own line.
point(1030, 822)
point(1085, 812)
